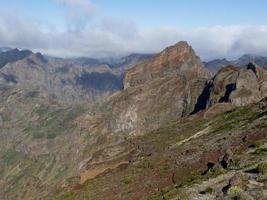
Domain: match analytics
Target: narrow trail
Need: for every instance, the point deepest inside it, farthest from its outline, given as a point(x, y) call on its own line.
point(196, 135)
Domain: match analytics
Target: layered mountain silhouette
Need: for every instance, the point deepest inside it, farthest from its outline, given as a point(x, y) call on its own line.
point(139, 127)
point(65, 80)
point(215, 65)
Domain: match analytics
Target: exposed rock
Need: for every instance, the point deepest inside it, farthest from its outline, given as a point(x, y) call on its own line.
point(247, 88)
point(66, 81)
point(254, 184)
point(92, 143)
point(14, 55)
point(238, 86)
point(227, 159)
point(127, 62)
point(162, 88)
point(179, 59)
point(237, 180)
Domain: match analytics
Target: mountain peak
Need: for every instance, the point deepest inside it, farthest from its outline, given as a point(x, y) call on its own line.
point(179, 48)
point(183, 44)
point(13, 56)
point(177, 59)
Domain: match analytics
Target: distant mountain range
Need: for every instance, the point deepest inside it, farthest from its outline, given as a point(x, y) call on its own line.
point(67, 80)
point(11, 56)
point(137, 127)
point(3, 49)
point(217, 64)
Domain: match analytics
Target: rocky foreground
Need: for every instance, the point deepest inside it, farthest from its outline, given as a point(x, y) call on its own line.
point(172, 132)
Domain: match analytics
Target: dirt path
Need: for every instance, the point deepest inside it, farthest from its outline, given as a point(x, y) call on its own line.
point(91, 174)
point(196, 135)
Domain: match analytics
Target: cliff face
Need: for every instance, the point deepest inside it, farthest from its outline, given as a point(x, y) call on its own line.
point(162, 88)
point(179, 59)
point(239, 86)
point(52, 148)
point(236, 86)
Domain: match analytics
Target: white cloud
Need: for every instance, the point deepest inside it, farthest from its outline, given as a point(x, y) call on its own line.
point(98, 36)
point(78, 12)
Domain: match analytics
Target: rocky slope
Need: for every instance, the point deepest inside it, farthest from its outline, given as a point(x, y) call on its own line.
point(189, 135)
point(239, 86)
point(62, 82)
point(165, 86)
point(12, 56)
point(217, 154)
point(66, 81)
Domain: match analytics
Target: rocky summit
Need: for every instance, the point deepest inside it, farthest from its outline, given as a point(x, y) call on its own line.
point(235, 85)
point(157, 90)
point(144, 127)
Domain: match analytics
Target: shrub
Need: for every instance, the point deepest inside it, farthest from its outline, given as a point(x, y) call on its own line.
point(234, 191)
point(262, 167)
point(260, 151)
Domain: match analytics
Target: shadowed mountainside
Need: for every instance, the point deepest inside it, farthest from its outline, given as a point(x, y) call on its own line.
point(66, 81)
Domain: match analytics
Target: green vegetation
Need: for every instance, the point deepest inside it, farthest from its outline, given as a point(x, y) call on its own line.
point(237, 119)
point(10, 157)
point(172, 133)
point(154, 171)
point(234, 191)
point(128, 179)
point(262, 167)
point(260, 151)
point(259, 143)
point(61, 172)
point(53, 122)
point(208, 190)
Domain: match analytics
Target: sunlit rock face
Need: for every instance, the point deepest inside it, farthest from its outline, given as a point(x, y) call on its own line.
point(238, 86)
point(163, 87)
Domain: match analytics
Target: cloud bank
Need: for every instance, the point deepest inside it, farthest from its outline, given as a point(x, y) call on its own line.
point(93, 35)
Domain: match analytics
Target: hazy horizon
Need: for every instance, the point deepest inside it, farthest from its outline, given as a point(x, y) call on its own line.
point(90, 28)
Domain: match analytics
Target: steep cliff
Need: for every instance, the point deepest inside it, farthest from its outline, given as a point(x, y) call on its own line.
point(164, 87)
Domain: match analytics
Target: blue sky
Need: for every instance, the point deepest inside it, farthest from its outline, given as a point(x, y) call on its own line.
point(189, 13)
point(115, 27)
point(151, 13)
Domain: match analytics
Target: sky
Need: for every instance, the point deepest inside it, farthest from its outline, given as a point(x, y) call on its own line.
point(104, 28)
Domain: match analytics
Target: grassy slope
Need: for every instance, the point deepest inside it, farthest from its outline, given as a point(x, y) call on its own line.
point(162, 166)
point(39, 145)
point(35, 144)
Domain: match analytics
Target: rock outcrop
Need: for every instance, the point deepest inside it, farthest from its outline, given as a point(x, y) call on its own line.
point(176, 60)
point(238, 86)
point(162, 88)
